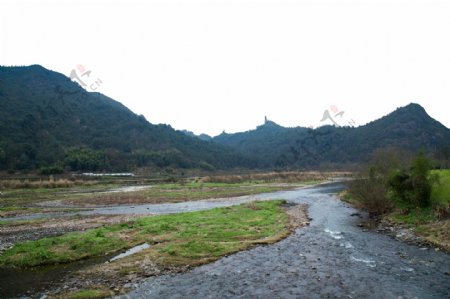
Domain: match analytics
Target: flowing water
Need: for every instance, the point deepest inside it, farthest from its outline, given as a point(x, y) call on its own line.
point(332, 258)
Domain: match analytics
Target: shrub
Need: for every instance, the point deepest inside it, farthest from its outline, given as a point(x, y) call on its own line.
point(421, 180)
point(400, 184)
point(371, 193)
point(51, 170)
point(413, 187)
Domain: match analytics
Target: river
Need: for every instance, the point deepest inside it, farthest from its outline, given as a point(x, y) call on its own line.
point(332, 258)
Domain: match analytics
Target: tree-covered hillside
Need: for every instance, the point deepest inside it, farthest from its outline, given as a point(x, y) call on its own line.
point(48, 120)
point(408, 128)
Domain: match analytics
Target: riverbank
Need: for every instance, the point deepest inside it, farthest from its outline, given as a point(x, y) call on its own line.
point(330, 258)
point(434, 234)
point(420, 227)
point(45, 215)
point(202, 237)
point(121, 277)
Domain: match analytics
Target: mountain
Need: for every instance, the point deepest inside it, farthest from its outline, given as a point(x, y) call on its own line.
point(201, 136)
point(409, 128)
point(267, 143)
point(48, 120)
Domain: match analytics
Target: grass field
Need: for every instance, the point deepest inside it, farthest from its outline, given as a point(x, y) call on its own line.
point(164, 193)
point(20, 194)
point(179, 238)
point(29, 196)
point(88, 294)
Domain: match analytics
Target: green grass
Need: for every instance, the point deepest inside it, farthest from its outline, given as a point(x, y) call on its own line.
point(440, 194)
point(348, 197)
point(72, 246)
point(414, 217)
point(89, 294)
point(190, 237)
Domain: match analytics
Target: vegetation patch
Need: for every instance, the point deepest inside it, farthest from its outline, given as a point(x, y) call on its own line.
point(44, 183)
point(88, 294)
point(440, 194)
point(348, 197)
point(406, 193)
point(186, 191)
point(20, 193)
point(437, 233)
point(14, 210)
point(283, 176)
point(426, 224)
point(24, 196)
point(179, 238)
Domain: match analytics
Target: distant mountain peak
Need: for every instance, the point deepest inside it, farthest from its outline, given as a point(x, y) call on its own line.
point(410, 112)
point(408, 128)
point(413, 108)
point(413, 114)
point(271, 123)
point(268, 124)
point(37, 66)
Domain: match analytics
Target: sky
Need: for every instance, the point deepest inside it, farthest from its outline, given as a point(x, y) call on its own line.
point(212, 66)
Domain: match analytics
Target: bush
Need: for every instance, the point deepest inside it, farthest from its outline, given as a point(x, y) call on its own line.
point(413, 187)
point(371, 193)
point(400, 184)
point(421, 180)
point(394, 178)
point(51, 170)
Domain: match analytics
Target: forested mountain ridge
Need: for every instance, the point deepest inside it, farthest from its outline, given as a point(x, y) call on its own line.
point(408, 128)
point(46, 119)
point(266, 143)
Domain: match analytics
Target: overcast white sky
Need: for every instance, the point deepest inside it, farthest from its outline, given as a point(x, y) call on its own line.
point(208, 66)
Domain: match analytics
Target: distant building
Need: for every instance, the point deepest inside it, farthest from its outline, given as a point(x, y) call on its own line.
point(121, 174)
